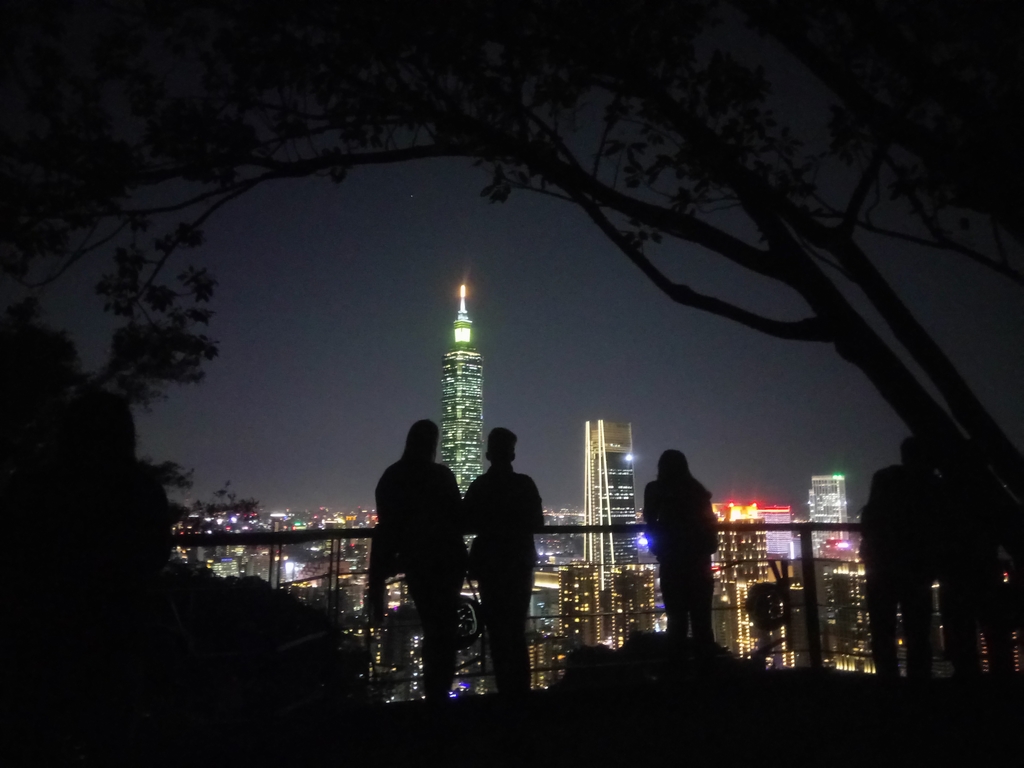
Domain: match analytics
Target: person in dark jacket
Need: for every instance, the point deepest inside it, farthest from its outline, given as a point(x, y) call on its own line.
point(504, 509)
point(419, 533)
point(681, 532)
point(899, 558)
point(104, 525)
point(102, 514)
point(974, 595)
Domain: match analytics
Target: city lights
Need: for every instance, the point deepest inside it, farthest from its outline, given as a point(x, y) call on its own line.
point(590, 589)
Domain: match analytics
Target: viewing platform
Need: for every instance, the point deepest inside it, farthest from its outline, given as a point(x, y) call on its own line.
point(282, 666)
point(787, 718)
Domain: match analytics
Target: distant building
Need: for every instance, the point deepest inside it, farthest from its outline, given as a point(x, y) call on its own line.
point(398, 654)
point(548, 655)
point(826, 504)
point(781, 544)
point(561, 548)
point(225, 567)
point(544, 603)
point(742, 560)
point(462, 419)
point(632, 602)
point(838, 549)
point(846, 639)
point(580, 609)
point(609, 494)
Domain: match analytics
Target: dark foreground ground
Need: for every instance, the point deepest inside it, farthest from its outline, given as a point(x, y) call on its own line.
point(781, 719)
point(794, 718)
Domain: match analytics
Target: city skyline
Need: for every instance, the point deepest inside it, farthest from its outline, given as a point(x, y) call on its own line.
point(250, 249)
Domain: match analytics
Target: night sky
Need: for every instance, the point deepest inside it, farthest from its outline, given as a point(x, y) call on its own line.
point(335, 305)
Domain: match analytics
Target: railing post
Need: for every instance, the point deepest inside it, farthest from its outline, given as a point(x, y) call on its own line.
point(273, 553)
point(332, 582)
point(810, 580)
point(368, 631)
point(337, 584)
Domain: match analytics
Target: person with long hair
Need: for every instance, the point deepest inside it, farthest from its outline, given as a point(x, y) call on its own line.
point(419, 533)
point(899, 561)
point(681, 532)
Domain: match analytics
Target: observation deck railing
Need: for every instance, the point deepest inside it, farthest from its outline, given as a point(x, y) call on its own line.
point(813, 616)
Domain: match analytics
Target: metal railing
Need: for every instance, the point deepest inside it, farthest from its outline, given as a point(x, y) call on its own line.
point(327, 568)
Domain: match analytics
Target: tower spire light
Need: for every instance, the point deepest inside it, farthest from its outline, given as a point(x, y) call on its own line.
point(462, 402)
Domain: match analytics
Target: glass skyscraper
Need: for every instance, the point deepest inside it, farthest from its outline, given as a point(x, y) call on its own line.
point(827, 504)
point(462, 417)
point(610, 496)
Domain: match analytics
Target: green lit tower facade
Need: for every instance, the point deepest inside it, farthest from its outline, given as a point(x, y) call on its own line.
point(462, 403)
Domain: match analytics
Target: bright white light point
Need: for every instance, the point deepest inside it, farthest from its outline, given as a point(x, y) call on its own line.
point(629, 457)
point(462, 292)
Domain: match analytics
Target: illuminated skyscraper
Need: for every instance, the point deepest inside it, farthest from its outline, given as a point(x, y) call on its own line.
point(632, 602)
point(780, 543)
point(610, 496)
point(579, 595)
point(740, 562)
point(845, 638)
point(462, 419)
point(827, 504)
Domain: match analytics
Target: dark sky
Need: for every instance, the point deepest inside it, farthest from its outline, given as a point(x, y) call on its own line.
point(335, 305)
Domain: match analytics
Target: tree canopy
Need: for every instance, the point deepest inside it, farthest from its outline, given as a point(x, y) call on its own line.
point(138, 121)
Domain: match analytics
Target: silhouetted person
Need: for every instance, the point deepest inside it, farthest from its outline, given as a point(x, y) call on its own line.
point(972, 595)
point(419, 533)
point(100, 532)
point(900, 558)
point(681, 532)
point(504, 509)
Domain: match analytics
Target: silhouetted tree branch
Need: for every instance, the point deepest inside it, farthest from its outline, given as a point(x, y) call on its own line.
point(630, 243)
point(655, 115)
point(941, 80)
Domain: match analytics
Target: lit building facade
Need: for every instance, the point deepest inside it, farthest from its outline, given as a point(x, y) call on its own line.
point(632, 602)
point(781, 544)
point(826, 504)
point(561, 548)
point(741, 561)
point(398, 654)
point(548, 655)
point(462, 417)
point(845, 634)
point(580, 609)
point(609, 494)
